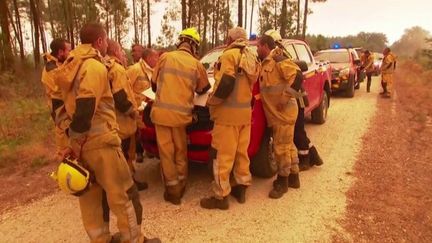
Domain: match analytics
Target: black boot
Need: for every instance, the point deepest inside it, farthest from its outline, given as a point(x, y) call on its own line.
point(152, 240)
point(172, 194)
point(315, 159)
point(280, 187)
point(304, 162)
point(141, 185)
point(294, 180)
point(384, 86)
point(239, 192)
point(214, 203)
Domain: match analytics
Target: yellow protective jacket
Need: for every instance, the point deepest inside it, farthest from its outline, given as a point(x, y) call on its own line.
point(83, 80)
point(177, 76)
point(124, 100)
point(388, 64)
point(53, 93)
point(140, 75)
point(235, 73)
point(277, 75)
point(368, 63)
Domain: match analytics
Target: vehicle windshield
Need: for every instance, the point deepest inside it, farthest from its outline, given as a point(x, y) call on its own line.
point(210, 59)
point(333, 57)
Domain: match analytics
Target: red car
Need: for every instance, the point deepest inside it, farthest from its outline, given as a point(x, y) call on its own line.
point(316, 83)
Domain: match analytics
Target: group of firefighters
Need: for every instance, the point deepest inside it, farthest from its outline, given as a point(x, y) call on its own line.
point(94, 100)
point(387, 68)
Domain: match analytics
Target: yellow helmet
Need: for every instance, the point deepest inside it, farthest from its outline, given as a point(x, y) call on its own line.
point(71, 177)
point(191, 34)
point(274, 34)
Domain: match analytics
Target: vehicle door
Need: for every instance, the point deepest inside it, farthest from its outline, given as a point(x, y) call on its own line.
point(313, 76)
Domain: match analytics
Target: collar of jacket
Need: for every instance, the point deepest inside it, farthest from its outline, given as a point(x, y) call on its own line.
point(183, 48)
point(273, 54)
point(85, 51)
point(49, 57)
point(146, 68)
point(239, 43)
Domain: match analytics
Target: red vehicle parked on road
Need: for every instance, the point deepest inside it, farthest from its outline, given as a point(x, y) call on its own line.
point(316, 83)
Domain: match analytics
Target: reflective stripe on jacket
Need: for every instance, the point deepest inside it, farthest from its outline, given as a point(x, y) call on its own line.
point(177, 76)
point(277, 76)
point(236, 108)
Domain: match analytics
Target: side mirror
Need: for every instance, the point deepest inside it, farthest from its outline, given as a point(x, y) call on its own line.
point(357, 62)
point(302, 65)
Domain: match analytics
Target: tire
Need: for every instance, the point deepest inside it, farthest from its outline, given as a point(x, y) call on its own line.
point(263, 163)
point(350, 91)
point(319, 114)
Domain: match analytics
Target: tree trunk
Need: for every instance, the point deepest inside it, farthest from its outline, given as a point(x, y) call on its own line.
point(305, 20)
point(41, 26)
point(283, 19)
point(19, 29)
point(245, 13)
point(217, 22)
point(135, 21)
point(204, 41)
point(35, 15)
point(189, 15)
point(6, 55)
point(240, 13)
point(251, 18)
point(183, 13)
point(298, 19)
point(148, 24)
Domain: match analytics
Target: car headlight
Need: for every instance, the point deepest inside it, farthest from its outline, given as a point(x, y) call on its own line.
point(344, 72)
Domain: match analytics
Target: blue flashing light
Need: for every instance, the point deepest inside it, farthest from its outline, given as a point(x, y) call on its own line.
point(336, 46)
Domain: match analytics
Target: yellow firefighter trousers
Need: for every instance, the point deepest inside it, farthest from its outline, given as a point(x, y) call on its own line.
point(388, 78)
point(172, 144)
point(61, 140)
point(284, 149)
point(112, 175)
point(230, 144)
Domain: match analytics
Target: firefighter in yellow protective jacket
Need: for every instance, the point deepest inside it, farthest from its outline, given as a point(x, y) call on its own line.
point(230, 108)
point(367, 65)
point(388, 66)
point(60, 49)
point(140, 75)
point(177, 76)
point(93, 137)
point(280, 106)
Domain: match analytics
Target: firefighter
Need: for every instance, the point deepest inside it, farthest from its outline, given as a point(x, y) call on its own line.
point(137, 51)
point(124, 101)
point(307, 153)
point(368, 67)
point(60, 49)
point(140, 77)
point(93, 137)
point(230, 108)
point(277, 75)
point(176, 77)
point(387, 69)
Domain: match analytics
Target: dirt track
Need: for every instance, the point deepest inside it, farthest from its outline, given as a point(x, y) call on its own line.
point(308, 214)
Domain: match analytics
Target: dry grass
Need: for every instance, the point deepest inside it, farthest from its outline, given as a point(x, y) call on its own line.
point(25, 125)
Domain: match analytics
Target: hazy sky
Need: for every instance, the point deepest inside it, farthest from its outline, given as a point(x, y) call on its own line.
point(392, 17)
point(344, 17)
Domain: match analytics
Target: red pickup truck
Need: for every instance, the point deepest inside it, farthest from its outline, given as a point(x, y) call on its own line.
point(316, 83)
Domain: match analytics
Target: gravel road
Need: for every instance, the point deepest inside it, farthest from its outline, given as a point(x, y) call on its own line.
point(308, 214)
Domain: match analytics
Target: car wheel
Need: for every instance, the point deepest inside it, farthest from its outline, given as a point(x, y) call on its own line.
point(319, 114)
point(350, 91)
point(263, 163)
